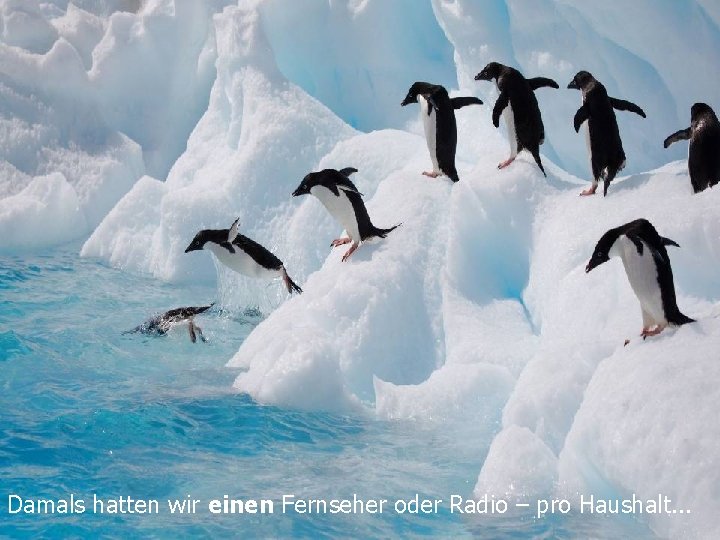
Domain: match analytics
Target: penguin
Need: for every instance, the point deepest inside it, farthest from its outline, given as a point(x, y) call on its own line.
point(519, 106)
point(161, 324)
point(437, 112)
point(648, 269)
point(242, 254)
point(607, 156)
point(704, 151)
point(344, 202)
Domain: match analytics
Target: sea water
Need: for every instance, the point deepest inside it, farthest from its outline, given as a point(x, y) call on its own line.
point(88, 413)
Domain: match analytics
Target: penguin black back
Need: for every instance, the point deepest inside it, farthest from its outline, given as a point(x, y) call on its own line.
point(704, 151)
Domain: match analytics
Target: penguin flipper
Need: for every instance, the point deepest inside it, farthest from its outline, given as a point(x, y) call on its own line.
point(460, 102)
point(540, 82)
point(622, 105)
point(581, 116)
point(431, 101)
point(233, 232)
point(502, 101)
point(668, 242)
point(347, 171)
point(637, 241)
point(681, 135)
point(228, 245)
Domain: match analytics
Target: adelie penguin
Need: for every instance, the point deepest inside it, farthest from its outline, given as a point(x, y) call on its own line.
point(647, 265)
point(607, 156)
point(344, 202)
point(161, 324)
point(704, 151)
point(242, 254)
point(518, 105)
point(437, 112)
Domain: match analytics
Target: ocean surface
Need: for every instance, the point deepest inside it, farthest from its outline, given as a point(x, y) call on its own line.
point(87, 412)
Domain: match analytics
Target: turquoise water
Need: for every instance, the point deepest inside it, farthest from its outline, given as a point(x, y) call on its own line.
point(85, 410)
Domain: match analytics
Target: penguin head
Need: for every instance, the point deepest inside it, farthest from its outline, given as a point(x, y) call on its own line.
point(602, 249)
point(419, 88)
point(700, 109)
point(199, 241)
point(489, 72)
point(310, 181)
point(581, 80)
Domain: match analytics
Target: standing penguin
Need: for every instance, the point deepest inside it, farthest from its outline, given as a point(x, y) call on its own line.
point(704, 151)
point(242, 254)
point(344, 202)
point(648, 269)
point(437, 111)
point(161, 324)
point(607, 156)
point(519, 106)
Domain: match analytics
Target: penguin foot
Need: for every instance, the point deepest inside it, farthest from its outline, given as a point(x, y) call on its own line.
point(588, 191)
point(505, 163)
point(339, 242)
point(432, 174)
point(647, 332)
point(350, 252)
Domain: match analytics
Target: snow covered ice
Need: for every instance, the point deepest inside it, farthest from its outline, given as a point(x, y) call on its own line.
point(132, 125)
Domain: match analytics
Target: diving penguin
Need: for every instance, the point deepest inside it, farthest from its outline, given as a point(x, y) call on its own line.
point(607, 156)
point(437, 112)
point(704, 151)
point(242, 254)
point(161, 324)
point(648, 269)
point(519, 106)
point(344, 202)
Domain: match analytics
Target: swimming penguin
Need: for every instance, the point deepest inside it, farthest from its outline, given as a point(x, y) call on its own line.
point(437, 111)
point(519, 106)
point(607, 156)
point(242, 254)
point(704, 151)
point(161, 324)
point(344, 202)
point(647, 266)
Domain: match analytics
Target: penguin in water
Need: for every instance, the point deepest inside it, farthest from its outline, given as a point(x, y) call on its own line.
point(648, 269)
point(704, 151)
point(161, 324)
point(437, 112)
point(519, 106)
point(242, 254)
point(344, 202)
point(607, 156)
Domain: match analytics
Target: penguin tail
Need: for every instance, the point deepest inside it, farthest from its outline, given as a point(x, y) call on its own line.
point(536, 156)
point(382, 233)
point(290, 284)
point(680, 318)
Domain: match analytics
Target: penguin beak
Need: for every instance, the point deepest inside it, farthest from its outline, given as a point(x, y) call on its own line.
point(192, 247)
point(406, 101)
point(573, 85)
point(299, 191)
point(482, 76)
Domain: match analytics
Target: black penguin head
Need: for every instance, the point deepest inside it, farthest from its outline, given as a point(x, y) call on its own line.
point(581, 80)
point(489, 72)
point(199, 241)
point(602, 249)
point(701, 109)
point(310, 180)
point(419, 88)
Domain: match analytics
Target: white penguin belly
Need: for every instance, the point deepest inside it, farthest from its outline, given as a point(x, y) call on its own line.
point(643, 277)
point(509, 117)
point(241, 262)
point(340, 208)
point(429, 122)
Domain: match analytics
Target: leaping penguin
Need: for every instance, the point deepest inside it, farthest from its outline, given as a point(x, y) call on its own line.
point(344, 202)
point(648, 269)
point(607, 156)
point(161, 324)
point(704, 151)
point(519, 106)
point(242, 254)
point(437, 111)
